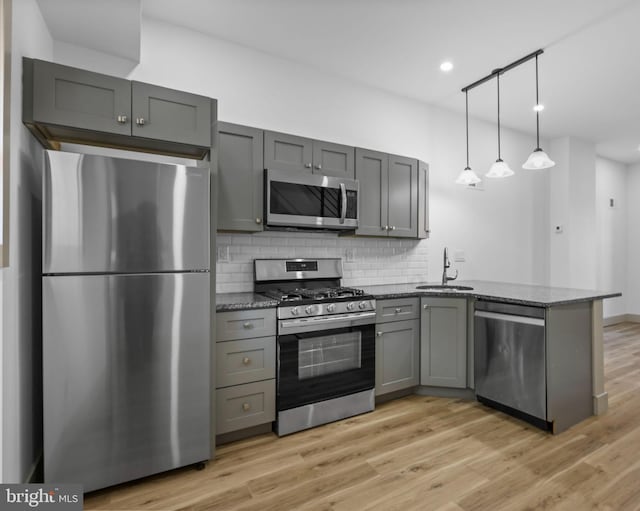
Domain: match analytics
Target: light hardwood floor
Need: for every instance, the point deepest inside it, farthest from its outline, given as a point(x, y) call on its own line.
point(423, 453)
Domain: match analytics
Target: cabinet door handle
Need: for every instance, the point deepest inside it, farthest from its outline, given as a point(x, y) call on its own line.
point(425, 306)
point(122, 119)
point(248, 325)
point(246, 361)
point(258, 220)
point(307, 165)
point(246, 407)
point(393, 227)
point(385, 227)
point(319, 167)
point(140, 121)
point(379, 334)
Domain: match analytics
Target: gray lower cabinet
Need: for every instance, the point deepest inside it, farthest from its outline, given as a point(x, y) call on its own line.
point(67, 104)
point(397, 344)
point(443, 346)
point(390, 185)
point(298, 154)
point(240, 178)
point(245, 360)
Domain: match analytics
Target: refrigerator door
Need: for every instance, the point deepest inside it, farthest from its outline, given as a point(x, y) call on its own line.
point(113, 215)
point(126, 376)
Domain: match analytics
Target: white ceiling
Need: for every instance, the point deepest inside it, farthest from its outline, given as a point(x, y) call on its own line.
point(589, 73)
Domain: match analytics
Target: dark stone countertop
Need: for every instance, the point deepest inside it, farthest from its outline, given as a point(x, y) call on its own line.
point(523, 294)
point(541, 296)
point(243, 301)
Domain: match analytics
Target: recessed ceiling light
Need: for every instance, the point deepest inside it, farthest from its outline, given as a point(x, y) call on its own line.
point(538, 108)
point(446, 66)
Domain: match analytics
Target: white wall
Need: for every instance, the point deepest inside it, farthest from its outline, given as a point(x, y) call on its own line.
point(633, 239)
point(21, 325)
point(611, 183)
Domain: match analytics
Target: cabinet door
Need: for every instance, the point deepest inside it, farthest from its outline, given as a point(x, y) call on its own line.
point(166, 114)
point(372, 170)
point(423, 200)
point(333, 159)
point(443, 350)
point(397, 355)
point(403, 197)
point(240, 177)
point(72, 97)
point(287, 152)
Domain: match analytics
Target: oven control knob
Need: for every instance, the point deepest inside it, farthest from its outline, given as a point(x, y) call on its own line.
point(331, 307)
point(350, 306)
point(294, 311)
point(308, 309)
point(362, 305)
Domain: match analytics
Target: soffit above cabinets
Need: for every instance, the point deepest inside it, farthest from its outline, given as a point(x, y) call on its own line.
point(112, 27)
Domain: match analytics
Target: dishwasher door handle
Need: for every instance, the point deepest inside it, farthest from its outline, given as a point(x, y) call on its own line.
point(508, 317)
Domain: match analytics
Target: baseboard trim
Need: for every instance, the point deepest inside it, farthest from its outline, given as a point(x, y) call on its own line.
point(621, 318)
point(456, 393)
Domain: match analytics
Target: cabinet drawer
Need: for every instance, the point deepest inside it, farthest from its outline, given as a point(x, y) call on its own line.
point(245, 361)
point(245, 324)
point(245, 405)
point(397, 309)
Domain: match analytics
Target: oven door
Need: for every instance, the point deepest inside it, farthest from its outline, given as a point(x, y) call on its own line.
point(310, 200)
point(320, 365)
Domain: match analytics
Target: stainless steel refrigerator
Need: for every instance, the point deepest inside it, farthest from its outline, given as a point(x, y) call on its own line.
point(126, 318)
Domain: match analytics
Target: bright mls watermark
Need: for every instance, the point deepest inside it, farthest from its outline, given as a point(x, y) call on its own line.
point(48, 497)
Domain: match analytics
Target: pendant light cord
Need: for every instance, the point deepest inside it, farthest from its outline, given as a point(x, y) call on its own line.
point(466, 100)
point(537, 109)
point(498, 82)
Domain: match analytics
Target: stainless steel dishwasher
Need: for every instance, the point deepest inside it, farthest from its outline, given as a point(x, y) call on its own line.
point(510, 372)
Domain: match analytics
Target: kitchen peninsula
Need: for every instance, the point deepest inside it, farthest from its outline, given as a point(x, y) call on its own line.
point(571, 333)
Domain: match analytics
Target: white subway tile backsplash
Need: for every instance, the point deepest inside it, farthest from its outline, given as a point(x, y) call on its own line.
point(375, 260)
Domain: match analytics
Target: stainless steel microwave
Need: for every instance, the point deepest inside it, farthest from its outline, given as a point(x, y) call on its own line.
point(310, 201)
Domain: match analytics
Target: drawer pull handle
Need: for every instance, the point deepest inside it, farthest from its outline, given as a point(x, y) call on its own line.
point(248, 324)
point(379, 334)
point(246, 361)
point(398, 310)
point(246, 407)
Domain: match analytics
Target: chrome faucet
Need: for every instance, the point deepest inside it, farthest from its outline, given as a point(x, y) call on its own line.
point(446, 265)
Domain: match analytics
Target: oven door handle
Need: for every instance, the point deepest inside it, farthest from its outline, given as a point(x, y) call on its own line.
point(343, 209)
point(319, 323)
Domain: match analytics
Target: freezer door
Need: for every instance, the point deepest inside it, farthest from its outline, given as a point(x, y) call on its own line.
point(104, 214)
point(126, 376)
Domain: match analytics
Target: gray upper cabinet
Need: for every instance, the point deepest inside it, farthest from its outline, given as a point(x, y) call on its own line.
point(287, 152)
point(240, 177)
point(67, 96)
point(372, 171)
point(166, 114)
point(423, 200)
point(333, 159)
point(403, 197)
point(443, 334)
point(298, 154)
point(389, 191)
point(66, 104)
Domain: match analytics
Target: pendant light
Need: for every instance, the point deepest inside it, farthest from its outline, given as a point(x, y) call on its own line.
point(538, 159)
point(499, 168)
point(467, 176)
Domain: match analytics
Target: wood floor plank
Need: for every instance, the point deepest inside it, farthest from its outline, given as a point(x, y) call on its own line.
point(423, 453)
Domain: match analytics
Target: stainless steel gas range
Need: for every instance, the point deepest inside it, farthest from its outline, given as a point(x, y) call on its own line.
point(325, 342)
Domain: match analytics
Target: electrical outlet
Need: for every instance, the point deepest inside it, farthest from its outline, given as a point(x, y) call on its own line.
point(222, 254)
point(350, 255)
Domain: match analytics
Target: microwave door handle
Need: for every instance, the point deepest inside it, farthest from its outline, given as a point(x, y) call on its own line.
point(343, 209)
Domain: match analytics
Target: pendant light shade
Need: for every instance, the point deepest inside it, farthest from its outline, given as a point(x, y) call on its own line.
point(499, 168)
point(538, 159)
point(467, 176)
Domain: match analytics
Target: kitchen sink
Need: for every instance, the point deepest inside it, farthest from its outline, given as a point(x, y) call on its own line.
point(440, 287)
